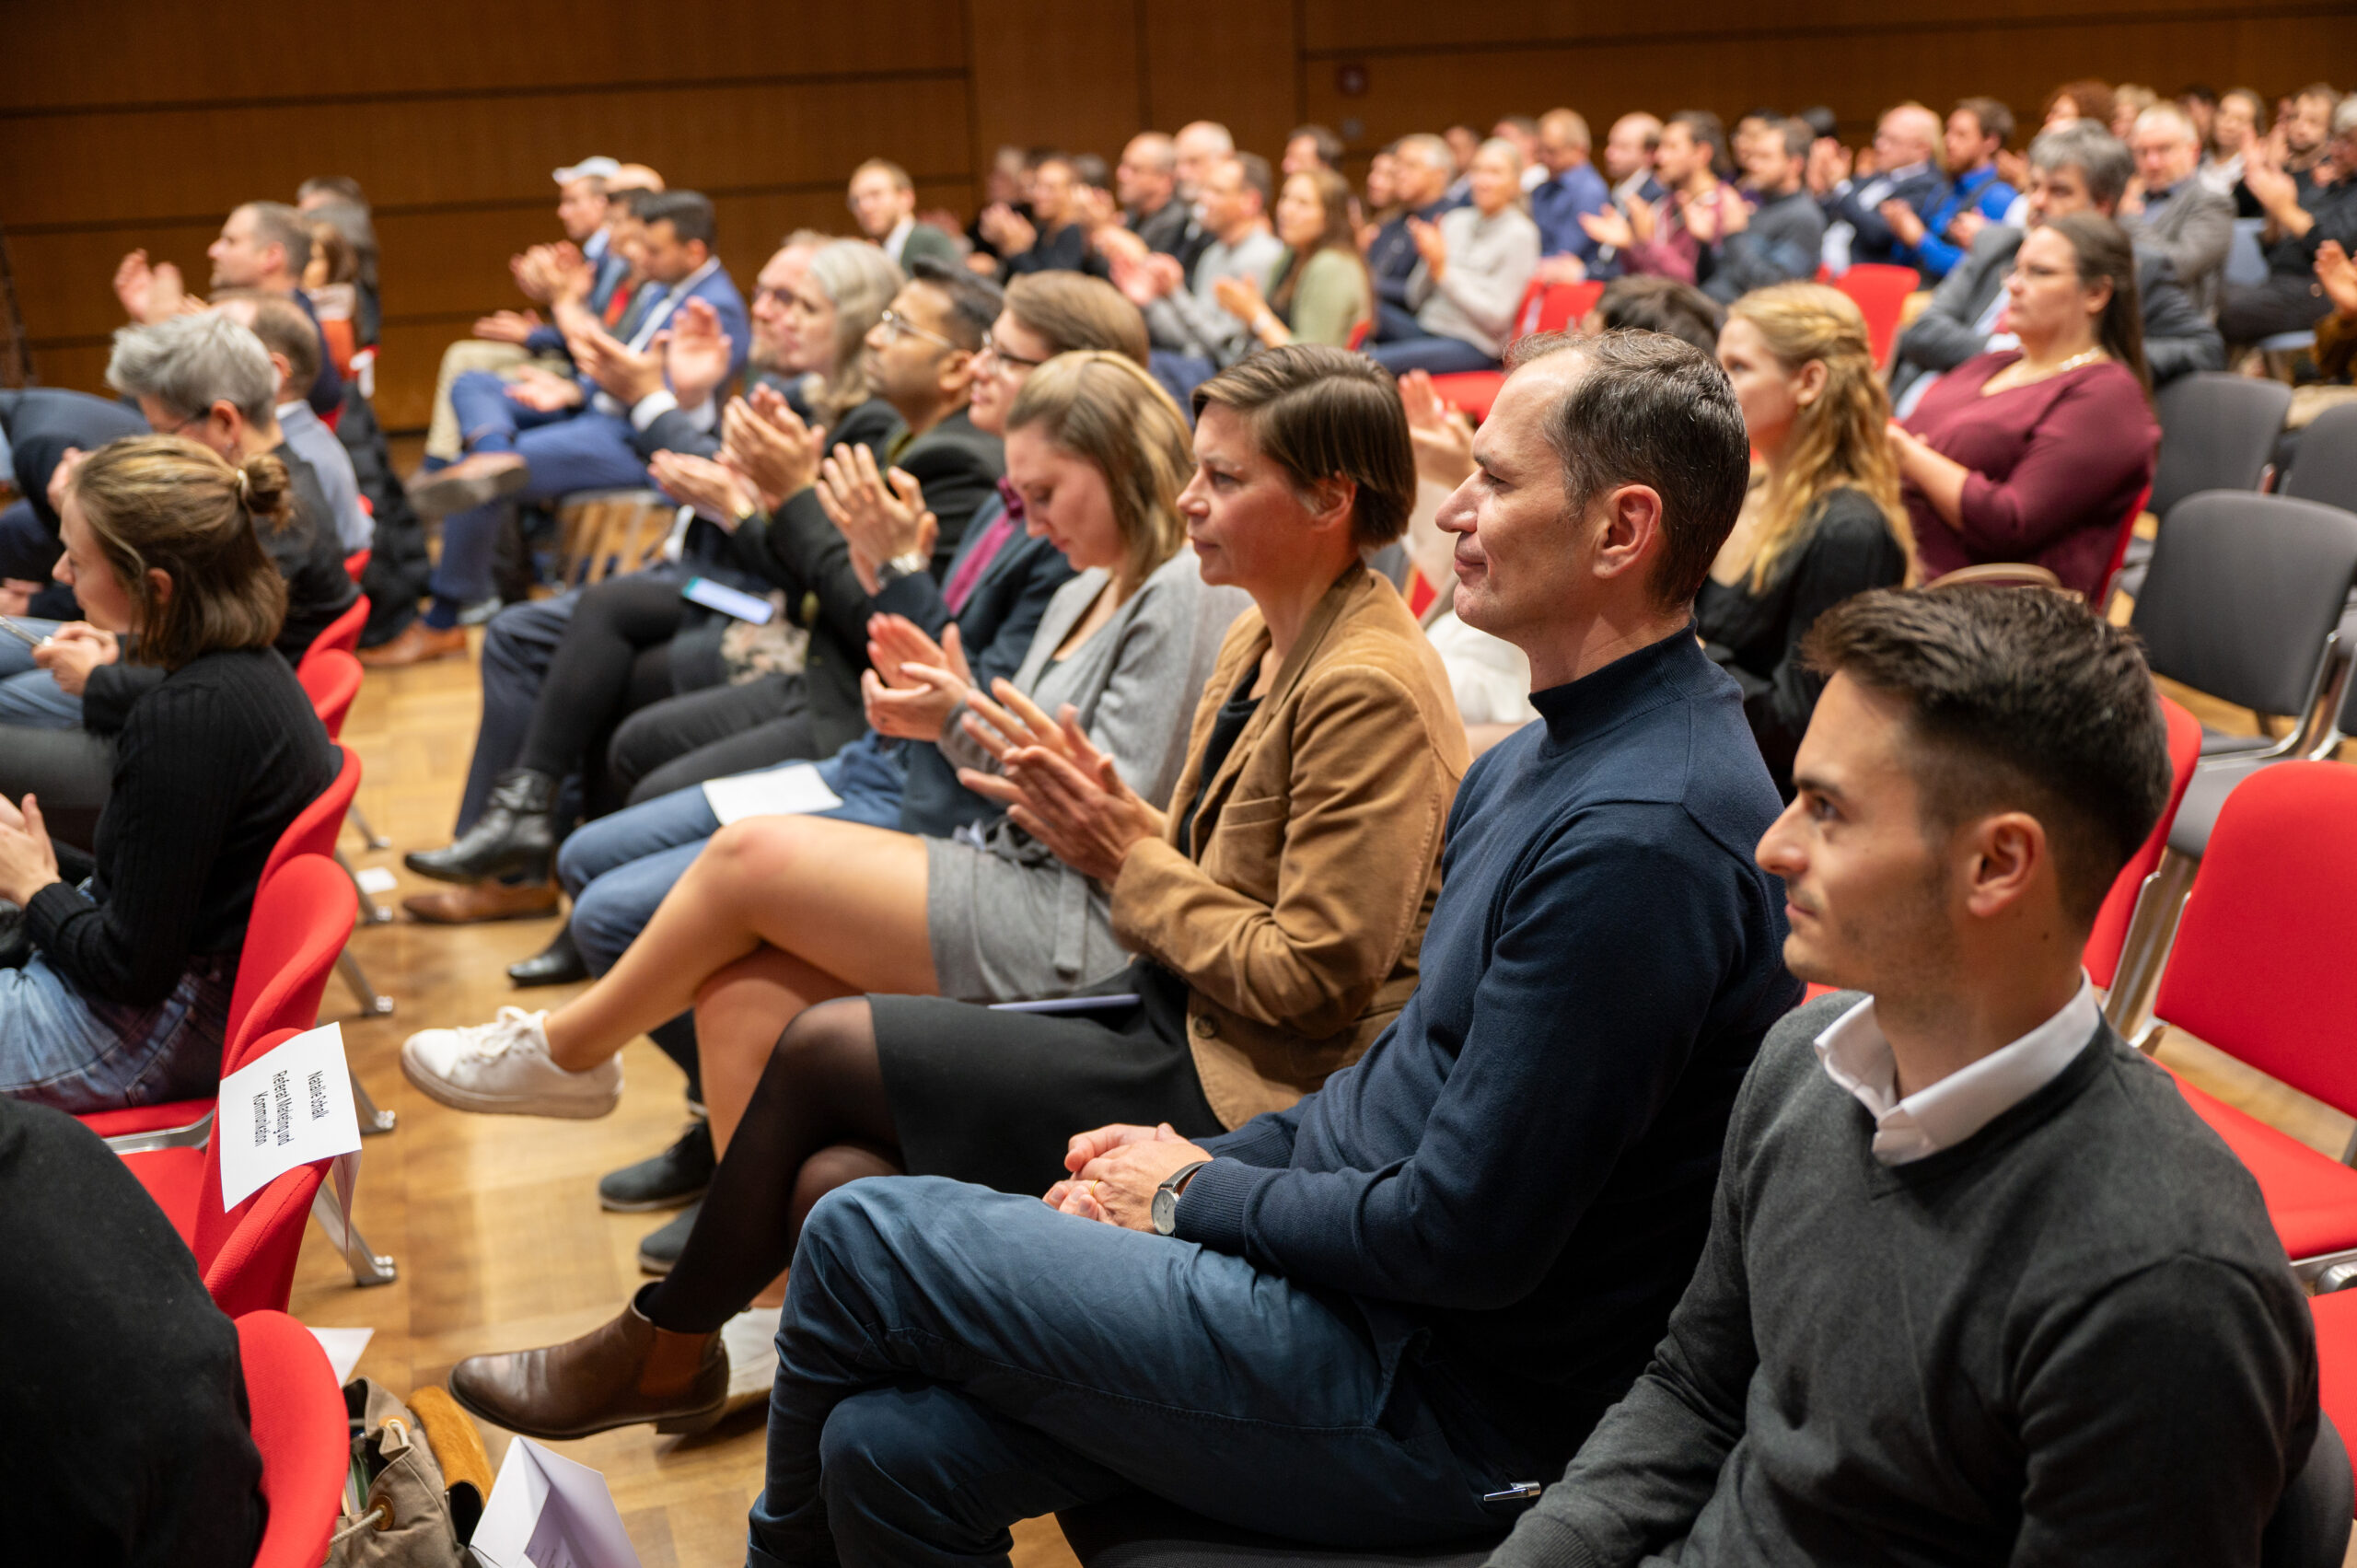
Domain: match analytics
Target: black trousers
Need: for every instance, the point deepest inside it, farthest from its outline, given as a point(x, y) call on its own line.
point(711, 734)
point(2284, 303)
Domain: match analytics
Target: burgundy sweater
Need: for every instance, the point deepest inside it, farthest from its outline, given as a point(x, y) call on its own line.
point(2055, 467)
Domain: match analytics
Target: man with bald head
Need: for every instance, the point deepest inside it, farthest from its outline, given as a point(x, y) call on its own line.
point(1908, 177)
point(1199, 145)
point(1629, 151)
point(1146, 183)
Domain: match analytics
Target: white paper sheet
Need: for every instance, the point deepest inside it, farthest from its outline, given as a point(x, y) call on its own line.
point(376, 879)
point(345, 1347)
point(792, 791)
point(287, 1108)
point(548, 1512)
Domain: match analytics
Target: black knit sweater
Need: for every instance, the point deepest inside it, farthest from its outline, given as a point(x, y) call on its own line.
point(212, 765)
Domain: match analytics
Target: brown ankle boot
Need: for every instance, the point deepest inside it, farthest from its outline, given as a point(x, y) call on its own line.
point(624, 1372)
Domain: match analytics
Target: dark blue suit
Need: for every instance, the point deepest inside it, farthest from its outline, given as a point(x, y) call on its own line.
point(1556, 206)
point(1857, 203)
point(588, 447)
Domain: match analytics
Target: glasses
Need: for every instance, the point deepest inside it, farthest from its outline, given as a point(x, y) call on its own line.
point(895, 325)
point(992, 349)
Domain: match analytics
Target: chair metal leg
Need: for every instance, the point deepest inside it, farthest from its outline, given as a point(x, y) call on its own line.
point(368, 835)
point(373, 1002)
point(368, 1266)
point(372, 1120)
point(2144, 951)
point(371, 911)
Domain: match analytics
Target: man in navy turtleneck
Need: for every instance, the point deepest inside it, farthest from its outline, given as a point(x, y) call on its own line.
point(1381, 1316)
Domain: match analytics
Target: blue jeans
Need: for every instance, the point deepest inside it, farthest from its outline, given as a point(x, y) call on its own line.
point(1442, 356)
point(569, 449)
point(57, 1048)
point(28, 695)
point(618, 868)
point(954, 1359)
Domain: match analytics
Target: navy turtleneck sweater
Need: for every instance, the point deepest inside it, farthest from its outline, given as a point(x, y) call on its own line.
point(1515, 1180)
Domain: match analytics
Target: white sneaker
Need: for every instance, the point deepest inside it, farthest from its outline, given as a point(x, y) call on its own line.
point(751, 1339)
point(503, 1066)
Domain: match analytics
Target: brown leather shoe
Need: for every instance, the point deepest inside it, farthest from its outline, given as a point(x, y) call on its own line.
point(482, 901)
point(626, 1372)
point(418, 643)
point(470, 481)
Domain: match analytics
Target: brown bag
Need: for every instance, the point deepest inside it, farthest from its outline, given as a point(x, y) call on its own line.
point(398, 1511)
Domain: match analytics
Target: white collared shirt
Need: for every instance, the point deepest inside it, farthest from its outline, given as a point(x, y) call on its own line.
point(1856, 1056)
point(898, 237)
point(652, 323)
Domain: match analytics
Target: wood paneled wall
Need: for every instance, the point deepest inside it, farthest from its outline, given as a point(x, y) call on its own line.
point(125, 123)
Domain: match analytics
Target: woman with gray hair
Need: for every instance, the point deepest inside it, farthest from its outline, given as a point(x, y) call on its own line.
point(828, 315)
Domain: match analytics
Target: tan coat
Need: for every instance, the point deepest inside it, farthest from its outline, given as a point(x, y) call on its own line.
point(1296, 913)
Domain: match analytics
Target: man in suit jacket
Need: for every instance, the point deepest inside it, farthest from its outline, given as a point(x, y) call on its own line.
point(2081, 168)
point(38, 426)
point(2174, 213)
point(543, 436)
point(884, 204)
point(1909, 178)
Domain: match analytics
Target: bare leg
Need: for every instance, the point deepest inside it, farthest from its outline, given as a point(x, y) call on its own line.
point(847, 898)
point(740, 1015)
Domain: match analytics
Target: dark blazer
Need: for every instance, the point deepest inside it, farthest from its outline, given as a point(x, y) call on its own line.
point(673, 431)
point(2178, 338)
point(995, 625)
point(799, 550)
point(1783, 240)
point(41, 422)
point(1755, 637)
point(928, 243)
point(1875, 241)
point(2193, 226)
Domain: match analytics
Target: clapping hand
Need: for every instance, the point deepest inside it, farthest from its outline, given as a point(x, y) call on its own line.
point(714, 490)
point(542, 392)
point(1442, 436)
point(149, 291)
point(1057, 786)
point(1904, 221)
point(2338, 276)
point(1008, 229)
point(881, 516)
point(916, 683)
point(507, 326)
point(1240, 297)
point(28, 860)
point(1430, 244)
point(1116, 1171)
point(1610, 227)
point(628, 375)
point(767, 442)
point(73, 651)
point(1965, 227)
point(697, 353)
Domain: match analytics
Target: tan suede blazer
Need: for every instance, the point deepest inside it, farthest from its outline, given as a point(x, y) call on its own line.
point(1296, 911)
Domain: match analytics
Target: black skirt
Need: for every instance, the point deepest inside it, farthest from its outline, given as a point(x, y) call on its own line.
point(995, 1097)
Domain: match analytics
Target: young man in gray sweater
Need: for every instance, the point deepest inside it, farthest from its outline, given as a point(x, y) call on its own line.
point(1980, 1287)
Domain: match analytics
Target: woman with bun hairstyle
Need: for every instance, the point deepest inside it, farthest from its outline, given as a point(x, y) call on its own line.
point(116, 969)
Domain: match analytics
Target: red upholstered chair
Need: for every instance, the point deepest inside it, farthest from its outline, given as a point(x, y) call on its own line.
point(2336, 1316)
point(2119, 548)
point(331, 677)
point(2259, 969)
point(357, 562)
point(2111, 921)
point(1545, 307)
point(1360, 333)
point(1880, 293)
point(299, 1428)
point(343, 631)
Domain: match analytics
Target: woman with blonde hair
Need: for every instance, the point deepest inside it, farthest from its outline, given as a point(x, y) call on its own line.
point(1823, 520)
point(780, 911)
point(117, 992)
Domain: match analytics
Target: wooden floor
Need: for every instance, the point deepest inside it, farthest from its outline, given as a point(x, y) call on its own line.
point(494, 1221)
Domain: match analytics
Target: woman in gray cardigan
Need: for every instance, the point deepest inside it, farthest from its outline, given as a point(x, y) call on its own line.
point(1476, 262)
point(779, 912)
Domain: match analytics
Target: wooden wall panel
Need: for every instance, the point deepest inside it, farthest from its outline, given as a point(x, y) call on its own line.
point(1233, 61)
point(1054, 73)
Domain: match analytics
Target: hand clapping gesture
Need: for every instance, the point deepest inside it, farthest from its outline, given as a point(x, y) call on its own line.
point(150, 293)
point(1610, 227)
point(767, 442)
point(628, 375)
point(715, 491)
point(1057, 786)
point(916, 683)
point(695, 353)
point(882, 516)
point(1430, 245)
point(1116, 1169)
point(1443, 436)
point(507, 326)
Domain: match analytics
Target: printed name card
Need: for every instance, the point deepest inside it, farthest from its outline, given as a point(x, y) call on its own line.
point(794, 790)
point(285, 1108)
point(548, 1512)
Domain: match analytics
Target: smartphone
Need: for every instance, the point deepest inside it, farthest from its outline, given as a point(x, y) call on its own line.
point(29, 638)
point(728, 600)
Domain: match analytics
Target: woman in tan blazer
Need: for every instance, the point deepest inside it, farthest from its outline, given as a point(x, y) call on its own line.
point(1275, 909)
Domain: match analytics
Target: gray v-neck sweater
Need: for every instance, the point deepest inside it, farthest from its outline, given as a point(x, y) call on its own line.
point(2071, 1339)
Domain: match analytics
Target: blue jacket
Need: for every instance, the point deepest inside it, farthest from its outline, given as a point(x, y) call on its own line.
point(1516, 1177)
point(1556, 206)
point(1980, 190)
point(1923, 189)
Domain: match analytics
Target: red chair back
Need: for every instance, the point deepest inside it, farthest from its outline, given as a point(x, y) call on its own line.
point(331, 677)
point(314, 830)
point(2119, 547)
point(2111, 921)
point(303, 914)
point(248, 1255)
point(1565, 305)
point(2261, 965)
point(356, 564)
point(1360, 333)
point(343, 631)
point(1880, 293)
point(299, 1427)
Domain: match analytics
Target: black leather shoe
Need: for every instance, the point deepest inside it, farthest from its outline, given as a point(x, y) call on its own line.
point(661, 1250)
point(559, 963)
point(515, 838)
point(678, 1175)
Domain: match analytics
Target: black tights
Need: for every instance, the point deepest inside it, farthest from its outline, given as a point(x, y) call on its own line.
point(615, 658)
point(818, 1120)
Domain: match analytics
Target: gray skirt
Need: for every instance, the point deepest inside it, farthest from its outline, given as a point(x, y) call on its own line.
point(1004, 929)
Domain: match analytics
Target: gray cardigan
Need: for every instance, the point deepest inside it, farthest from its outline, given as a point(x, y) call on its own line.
point(1134, 682)
point(1489, 264)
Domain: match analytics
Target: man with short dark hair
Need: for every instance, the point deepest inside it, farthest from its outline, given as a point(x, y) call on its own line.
point(1651, 303)
point(1189, 321)
point(294, 348)
point(1781, 240)
point(1373, 1318)
point(1568, 186)
point(263, 246)
point(1310, 146)
point(1146, 184)
point(2077, 168)
point(2305, 206)
point(883, 202)
point(543, 436)
point(1978, 129)
point(1981, 1288)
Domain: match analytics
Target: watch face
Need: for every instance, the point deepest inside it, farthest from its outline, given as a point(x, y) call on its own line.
point(1166, 1212)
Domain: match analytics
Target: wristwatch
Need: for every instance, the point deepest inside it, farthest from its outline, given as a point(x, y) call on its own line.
point(900, 566)
point(1166, 1198)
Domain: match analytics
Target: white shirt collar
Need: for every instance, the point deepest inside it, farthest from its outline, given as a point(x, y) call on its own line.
point(1856, 1056)
point(899, 237)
